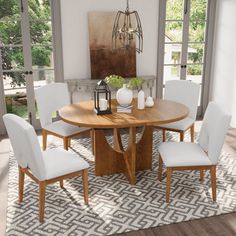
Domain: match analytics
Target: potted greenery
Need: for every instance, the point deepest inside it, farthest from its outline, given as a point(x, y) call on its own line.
point(116, 82)
point(135, 83)
point(124, 93)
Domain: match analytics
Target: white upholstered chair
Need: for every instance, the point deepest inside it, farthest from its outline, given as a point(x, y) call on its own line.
point(43, 167)
point(200, 156)
point(187, 93)
point(49, 99)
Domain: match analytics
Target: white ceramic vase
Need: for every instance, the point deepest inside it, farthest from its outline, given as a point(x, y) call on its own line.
point(149, 102)
point(141, 99)
point(124, 96)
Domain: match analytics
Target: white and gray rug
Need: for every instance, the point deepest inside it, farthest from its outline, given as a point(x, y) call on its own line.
point(115, 206)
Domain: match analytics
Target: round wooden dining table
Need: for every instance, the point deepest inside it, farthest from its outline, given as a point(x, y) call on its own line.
point(138, 155)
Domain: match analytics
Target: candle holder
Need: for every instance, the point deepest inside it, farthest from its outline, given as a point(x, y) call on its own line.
point(102, 98)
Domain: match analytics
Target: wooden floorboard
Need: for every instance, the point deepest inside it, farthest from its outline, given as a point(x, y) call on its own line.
point(216, 225)
point(223, 225)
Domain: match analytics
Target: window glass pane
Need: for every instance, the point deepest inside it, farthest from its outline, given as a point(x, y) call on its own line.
point(41, 32)
point(171, 73)
point(10, 32)
point(9, 10)
point(194, 73)
point(198, 10)
point(39, 9)
point(174, 10)
point(42, 76)
point(172, 53)
point(15, 93)
point(42, 56)
point(12, 79)
point(195, 52)
point(12, 58)
point(173, 31)
point(197, 31)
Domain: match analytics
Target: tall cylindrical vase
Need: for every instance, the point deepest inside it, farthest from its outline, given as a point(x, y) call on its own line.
point(141, 99)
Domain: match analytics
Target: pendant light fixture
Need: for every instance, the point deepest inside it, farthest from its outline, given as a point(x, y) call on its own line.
point(127, 27)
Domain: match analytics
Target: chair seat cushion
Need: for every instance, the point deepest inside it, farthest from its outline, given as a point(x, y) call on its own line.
point(60, 162)
point(183, 154)
point(62, 128)
point(179, 125)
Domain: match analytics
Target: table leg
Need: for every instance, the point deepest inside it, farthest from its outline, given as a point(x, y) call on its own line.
point(110, 160)
point(130, 156)
point(117, 140)
point(107, 160)
point(144, 149)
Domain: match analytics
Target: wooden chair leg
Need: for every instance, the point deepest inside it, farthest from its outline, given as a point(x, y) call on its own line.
point(163, 135)
point(65, 142)
point(92, 140)
point(61, 183)
point(201, 175)
point(44, 135)
point(42, 188)
point(69, 142)
point(168, 183)
point(181, 136)
point(192, 133)
point(21, 184)
point(85, 185)
point(213, 182)
point(160, 168)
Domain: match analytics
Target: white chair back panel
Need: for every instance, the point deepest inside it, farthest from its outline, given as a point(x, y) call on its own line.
point(49, 99)
point(185, 92)
point(25, 145)
point(213, 131)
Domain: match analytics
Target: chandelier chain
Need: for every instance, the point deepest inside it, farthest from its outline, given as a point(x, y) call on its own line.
point(127, 8)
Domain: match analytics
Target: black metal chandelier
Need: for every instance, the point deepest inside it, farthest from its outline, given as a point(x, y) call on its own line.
point(127, 27)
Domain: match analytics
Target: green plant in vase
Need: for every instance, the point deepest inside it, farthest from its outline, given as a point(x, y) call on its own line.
point(115, 81)
point(135, 83)
point(124, 94)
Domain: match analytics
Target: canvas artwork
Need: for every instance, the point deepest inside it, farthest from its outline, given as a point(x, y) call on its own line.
point(104, 60)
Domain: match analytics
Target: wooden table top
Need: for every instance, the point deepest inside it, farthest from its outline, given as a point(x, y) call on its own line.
point(163, 111)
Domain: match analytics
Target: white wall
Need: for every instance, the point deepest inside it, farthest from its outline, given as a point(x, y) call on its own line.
point(75, 34)
point(224, 58)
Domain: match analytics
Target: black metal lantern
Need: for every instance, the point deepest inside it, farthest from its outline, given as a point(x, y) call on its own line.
point(102, 98)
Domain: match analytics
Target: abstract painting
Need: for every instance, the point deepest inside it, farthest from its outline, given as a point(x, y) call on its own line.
point(104, 60)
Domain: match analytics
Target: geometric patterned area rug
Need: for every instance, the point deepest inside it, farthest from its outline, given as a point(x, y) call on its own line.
point(115, 206)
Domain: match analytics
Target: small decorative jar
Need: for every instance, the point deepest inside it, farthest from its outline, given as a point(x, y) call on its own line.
point(149, 102)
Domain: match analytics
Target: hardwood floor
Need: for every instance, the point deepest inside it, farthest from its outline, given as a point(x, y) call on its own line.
point(216, 225)
point(223, 225)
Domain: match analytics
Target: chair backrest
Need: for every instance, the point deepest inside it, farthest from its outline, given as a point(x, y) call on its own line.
point(214, 127)
point(49, 99)
point(185, 92)
point(25, 145)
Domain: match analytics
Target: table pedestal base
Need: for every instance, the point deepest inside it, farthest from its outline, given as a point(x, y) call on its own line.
point(137, 156)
